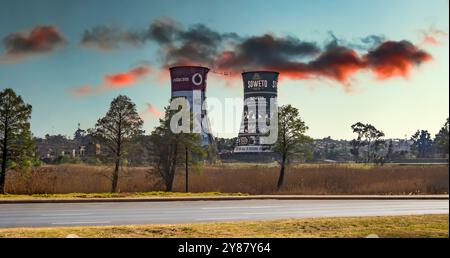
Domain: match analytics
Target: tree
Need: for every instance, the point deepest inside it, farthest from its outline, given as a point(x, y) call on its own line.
point(355, 146)
point(422, 143)
point(167, 150)
point(390, 152)
point(120, 124)
point(441, 139)
point(368, 136)
point(291, 140)
point(79, 134)
point(16, 144)
point(357, 143)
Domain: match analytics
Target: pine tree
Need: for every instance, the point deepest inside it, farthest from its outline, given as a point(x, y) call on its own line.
point(120, 124)
point(16, 144)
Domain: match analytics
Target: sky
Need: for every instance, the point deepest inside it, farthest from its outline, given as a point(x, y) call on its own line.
point(383, 62)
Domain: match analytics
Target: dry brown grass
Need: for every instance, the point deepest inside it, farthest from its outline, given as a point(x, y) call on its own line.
point(387, 227)
point(324, 179)
point(251, 179)
point(79, 179)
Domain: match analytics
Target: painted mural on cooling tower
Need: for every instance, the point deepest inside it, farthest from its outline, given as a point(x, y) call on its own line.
point(258, 87)
point(190, 82)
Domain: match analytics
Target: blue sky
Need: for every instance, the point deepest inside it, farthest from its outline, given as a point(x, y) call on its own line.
point(398, 106)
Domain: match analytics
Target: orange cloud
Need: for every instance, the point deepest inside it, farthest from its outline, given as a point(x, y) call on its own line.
point(395, 58)
point(151, 111)
point(433, 36)
point(125, 79)
point(114, 81)
point(83, 90)
point(119, 80)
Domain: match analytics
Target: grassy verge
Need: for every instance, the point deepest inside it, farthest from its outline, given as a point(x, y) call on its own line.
point(395, 226)
point(112, 195)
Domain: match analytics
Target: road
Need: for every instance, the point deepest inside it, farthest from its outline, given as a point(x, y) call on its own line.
point(124, 213)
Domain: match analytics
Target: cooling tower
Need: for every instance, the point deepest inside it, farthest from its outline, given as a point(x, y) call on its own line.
point(190, 82)
point(260, 87)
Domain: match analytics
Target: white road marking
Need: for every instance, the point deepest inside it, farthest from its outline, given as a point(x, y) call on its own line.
point(241, 207)
point(65, 214)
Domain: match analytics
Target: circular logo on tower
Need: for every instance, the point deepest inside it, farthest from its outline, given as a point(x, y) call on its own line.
point(197, 79)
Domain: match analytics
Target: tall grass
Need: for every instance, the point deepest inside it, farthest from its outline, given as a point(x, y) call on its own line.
point(79, 179)
point(252, 179)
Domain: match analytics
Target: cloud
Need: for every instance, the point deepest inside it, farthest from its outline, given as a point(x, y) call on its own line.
point(395, 58)
point(230, 53)
point(178, 46)
point(151, 111)
point(433, 36)
point(119, 80)
point(108, 38)
point(359, 44)
point(114, 81)
point(40, 40)
point(265, 51)
point(83, 91)
point(338, 63)
point(294, 58)
point(163, 31)
point(373, 40)
point(196, 45)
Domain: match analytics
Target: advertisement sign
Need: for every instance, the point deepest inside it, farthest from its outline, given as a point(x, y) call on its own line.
point(189, 82)
point(259, 88)
point(261, 83)
point(188, 78)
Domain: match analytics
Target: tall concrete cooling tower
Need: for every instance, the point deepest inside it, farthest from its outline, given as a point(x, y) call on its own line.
point(190, 82)
point(260, 87)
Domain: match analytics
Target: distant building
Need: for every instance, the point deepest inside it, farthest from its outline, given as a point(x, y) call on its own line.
point(82, 146)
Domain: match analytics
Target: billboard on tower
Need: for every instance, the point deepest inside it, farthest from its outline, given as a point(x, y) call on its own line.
point(260, 88)
point(189, 82)
point(188, 78)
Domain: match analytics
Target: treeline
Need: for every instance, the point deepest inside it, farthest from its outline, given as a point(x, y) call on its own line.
point(370, 146)
point(122, 139)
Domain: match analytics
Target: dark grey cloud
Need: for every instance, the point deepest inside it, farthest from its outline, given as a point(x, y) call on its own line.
point(359, 44)
point(266, 50)
point(163, 31)
point(110, 37)
point(41, 39)
point(373, 40)
point(197, 44)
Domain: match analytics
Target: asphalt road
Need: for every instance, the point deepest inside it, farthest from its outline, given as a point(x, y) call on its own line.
point(124, 213)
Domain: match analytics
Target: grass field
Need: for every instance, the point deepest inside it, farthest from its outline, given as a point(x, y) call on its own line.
point(313, 179)
point(354, 227)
